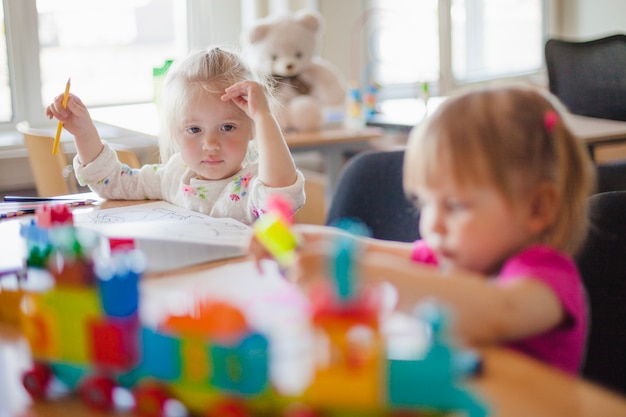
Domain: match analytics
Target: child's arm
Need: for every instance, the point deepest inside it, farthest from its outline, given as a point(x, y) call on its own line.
point(77, 121)
point(483, 312)
point(322, 236)
point(276, 166)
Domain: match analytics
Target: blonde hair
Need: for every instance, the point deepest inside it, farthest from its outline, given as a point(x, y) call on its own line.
point(513, 138)
point(205, 71)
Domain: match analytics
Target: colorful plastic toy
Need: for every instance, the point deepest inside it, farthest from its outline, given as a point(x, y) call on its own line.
point(87, 337)
point(273, 230)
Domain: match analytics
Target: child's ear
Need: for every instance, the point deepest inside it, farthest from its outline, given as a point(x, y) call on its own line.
point(543, 207)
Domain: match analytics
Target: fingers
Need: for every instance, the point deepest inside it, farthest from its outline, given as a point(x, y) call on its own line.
point(56, 109)
point(238, 90)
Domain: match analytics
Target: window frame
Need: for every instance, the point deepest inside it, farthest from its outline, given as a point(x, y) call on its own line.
point(447, 83)
point(209, 21)
point(206, 24)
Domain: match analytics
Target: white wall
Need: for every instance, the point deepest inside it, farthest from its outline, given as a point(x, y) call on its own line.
point(588, 19)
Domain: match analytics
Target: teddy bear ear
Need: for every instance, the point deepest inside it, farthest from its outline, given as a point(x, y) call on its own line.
point(257, 33)
point(310, 19)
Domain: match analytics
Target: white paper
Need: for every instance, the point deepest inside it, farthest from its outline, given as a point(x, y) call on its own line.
point(171, 237)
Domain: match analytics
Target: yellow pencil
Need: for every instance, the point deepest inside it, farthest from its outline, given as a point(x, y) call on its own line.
point(57, 138)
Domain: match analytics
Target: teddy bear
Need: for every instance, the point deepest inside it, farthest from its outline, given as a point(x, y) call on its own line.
point(286, 48)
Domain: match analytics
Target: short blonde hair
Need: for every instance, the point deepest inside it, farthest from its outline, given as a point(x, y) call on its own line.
point(511, 137)
point(205, 71)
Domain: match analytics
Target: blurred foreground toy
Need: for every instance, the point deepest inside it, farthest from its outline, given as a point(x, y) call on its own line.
point(209, 358)
point(273, 230)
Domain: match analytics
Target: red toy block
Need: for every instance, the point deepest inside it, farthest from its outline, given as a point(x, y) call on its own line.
point(114, 342)
point(54, 215)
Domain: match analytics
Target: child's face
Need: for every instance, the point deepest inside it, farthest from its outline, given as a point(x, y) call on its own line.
point(472, 227)
point(213, 137)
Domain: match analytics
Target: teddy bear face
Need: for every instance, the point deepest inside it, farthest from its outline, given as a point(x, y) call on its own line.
point(285, 48)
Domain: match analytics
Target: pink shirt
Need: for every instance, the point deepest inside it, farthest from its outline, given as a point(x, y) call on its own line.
point(564, 345)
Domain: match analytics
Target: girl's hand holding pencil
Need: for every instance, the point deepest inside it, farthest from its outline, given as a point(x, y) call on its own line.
point(57, 138)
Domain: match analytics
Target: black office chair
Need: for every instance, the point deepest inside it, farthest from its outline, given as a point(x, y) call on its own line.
point(370, 190)
point(589, 77)
point(602, 263)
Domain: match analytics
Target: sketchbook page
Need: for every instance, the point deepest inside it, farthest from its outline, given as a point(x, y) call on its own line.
point(164, 221)
point(12, 249)
point(155, 226)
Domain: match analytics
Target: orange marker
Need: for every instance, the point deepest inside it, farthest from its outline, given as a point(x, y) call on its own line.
point(57, 138)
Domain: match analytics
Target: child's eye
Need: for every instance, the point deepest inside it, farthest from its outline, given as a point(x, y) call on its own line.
point(228, 128)
point(455, 205)
point(193, 129)
point(298, 54)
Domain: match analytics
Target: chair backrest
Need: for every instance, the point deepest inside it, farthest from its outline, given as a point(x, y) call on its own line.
point(369, 189)
point(129, 158)
point(602, 263)
point(52, 173)
point(589, 77)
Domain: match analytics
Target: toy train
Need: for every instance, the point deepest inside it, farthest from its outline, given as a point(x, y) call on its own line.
point(87, 337)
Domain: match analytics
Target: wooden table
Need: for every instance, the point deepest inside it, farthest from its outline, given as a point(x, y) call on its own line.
point(333, 143)
point(596, 132)
point(513, 385)
point(404, 114)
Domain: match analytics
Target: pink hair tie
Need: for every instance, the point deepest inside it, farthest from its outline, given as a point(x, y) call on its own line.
point(550, 119)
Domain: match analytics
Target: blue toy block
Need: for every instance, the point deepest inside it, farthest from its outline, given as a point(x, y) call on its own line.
point(161, 355)
point(243, 369)
point(119, 283)
point(430, 382)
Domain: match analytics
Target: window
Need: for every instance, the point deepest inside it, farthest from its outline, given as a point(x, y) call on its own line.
point(446, 43)
point(6, 109)
point(495, 38)
point(108, 48)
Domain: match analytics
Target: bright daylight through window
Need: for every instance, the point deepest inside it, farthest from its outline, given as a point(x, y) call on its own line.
point(5, 90)
point(108, 48)
point(487, 39)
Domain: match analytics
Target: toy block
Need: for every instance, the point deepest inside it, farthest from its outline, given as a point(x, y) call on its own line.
point(273, 229)
point(215, 319)
point(71, 272)
point(351, 355)
point(54, 215)
point(73, 306)
point(243, 368)
point(121, 244)
point(161, 355)
point(431, 382)
point(118, 283)
point(39, 326)
point(10, 299)
point(275, 235)
point(195, 360)
point(114, 342)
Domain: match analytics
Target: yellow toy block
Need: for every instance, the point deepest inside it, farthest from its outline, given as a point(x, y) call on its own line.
point(275, 235)
point(194, 354)
point(74, 308)
point(353, 358)
point(10, 305)
point(39, 326)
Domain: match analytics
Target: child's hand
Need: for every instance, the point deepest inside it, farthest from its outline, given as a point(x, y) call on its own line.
point(77, 121)
point(249, 96)
point(75, 117)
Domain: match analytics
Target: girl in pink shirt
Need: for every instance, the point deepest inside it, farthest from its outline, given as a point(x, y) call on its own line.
point(502, 186)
